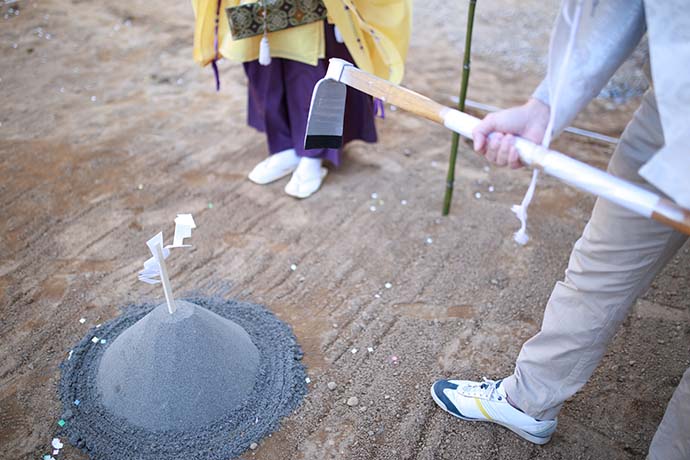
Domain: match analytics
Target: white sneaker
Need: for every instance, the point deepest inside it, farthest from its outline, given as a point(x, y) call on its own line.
point(486, 402)
point(274, 167)
point(306, 179)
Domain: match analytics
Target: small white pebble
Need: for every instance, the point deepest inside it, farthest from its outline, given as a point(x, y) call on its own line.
point(293, 267)
point(95, 339)
point(140, 186)
point(377, 296)
point(82, 320)
point(393, 108)
point(429, 240)
point(308, 380)
point(103, 341)
point(370, 349)
point(352, 401)
point(491, 188)
point(15, 46)
point(477, 195)
point(403, 202)
point(253, 446)
point(374, 196)
point(353, 351)
point(372, 208)
point(332, 385)
point(180, 81)
point(388, 285)
point(486, 169)
point(93, 98)
point(98, 325)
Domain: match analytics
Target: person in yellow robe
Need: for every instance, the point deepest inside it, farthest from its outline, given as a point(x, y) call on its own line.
point(374, 34)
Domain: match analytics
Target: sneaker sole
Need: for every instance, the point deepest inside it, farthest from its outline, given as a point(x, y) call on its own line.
point(523, 434)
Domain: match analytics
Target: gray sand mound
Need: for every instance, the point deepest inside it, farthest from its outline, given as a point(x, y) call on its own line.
point(203, 383)
point(185, 369)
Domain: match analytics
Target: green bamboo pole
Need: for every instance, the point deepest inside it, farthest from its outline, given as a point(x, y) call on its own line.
point(450, 180)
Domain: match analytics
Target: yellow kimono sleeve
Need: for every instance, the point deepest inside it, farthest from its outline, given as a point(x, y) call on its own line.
point(376, 32)
point(204, 28)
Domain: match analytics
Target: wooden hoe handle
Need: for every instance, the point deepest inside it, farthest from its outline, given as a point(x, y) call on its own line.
point(563, 167)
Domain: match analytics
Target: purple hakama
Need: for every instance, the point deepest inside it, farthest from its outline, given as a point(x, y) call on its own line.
point(280, 95)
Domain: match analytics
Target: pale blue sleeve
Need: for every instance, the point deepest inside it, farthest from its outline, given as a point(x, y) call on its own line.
point(609, 32)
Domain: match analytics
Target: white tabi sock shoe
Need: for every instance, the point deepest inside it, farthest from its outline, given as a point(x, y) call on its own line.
point(274, 167)
point(307, 178)
point(487, 402)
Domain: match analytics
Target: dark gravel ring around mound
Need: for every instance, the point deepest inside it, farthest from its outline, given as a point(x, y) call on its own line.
point(279, 389)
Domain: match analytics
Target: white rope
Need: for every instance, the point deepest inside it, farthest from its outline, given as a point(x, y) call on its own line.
point(521, 237)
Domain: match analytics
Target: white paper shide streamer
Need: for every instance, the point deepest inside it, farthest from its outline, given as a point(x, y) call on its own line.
point(521, 237)
point(155, 271)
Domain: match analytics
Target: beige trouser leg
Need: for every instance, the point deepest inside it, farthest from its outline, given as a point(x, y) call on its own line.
point(612, 263)
point(672, 439)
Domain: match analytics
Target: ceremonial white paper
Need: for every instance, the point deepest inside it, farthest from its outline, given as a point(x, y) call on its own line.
point(184, 223)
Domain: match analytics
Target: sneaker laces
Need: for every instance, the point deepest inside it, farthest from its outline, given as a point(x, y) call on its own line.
point(486, 389)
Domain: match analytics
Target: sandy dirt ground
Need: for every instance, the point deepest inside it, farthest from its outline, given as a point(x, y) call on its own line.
point(108, 129)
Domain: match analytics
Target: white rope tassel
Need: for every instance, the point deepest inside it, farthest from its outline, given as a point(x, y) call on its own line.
point(520, 210)
point(521, 237)
point(338, 36)
point(264, 51)
point(264, 48)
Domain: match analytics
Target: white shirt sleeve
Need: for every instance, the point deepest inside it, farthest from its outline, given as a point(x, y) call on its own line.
point(609, 32)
